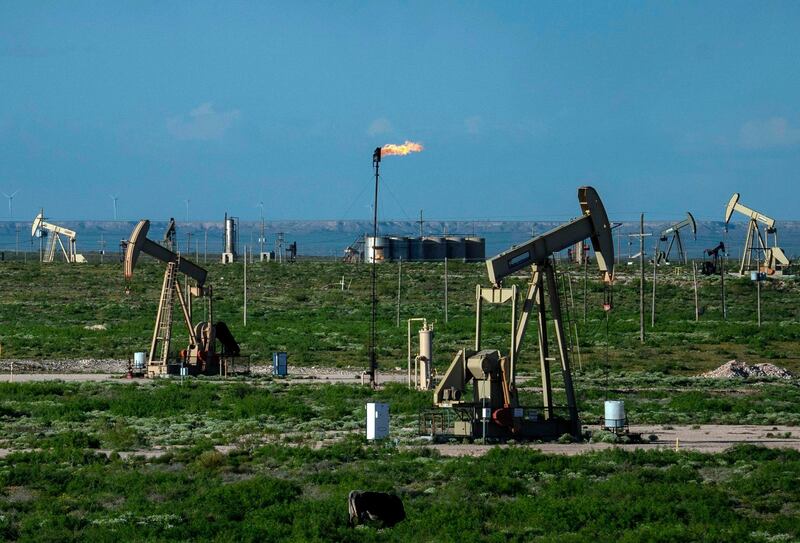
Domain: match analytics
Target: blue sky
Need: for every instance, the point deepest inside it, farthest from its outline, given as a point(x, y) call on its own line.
point(663, 107)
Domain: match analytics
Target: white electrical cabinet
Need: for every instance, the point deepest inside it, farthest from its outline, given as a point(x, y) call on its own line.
point(377, 420)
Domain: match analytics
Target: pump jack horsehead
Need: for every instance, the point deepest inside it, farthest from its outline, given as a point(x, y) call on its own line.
point(775, 259)
point(675, 230)
point(200, 356)
point(493, 410)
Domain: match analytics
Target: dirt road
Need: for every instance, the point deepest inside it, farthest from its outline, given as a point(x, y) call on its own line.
point(711, 438)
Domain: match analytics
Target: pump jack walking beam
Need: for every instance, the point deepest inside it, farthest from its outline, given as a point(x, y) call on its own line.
point(675, 230)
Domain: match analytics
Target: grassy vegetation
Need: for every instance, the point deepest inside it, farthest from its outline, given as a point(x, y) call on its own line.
point(47, 312)
point(263, 460)
point(294, 452)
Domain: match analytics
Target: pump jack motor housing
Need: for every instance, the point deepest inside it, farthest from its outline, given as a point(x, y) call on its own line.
point(491, 407)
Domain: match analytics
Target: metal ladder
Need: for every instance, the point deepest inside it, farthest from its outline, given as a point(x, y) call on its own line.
point(162, 335)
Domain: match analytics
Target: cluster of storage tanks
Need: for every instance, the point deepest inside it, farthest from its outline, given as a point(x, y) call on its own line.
point(429, 248)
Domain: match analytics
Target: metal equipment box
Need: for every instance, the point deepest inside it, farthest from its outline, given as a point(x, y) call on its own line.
point(280, 364)
point(377, 420)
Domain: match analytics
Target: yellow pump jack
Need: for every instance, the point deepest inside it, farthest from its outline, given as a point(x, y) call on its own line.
point(492, 408)
point(200, 356)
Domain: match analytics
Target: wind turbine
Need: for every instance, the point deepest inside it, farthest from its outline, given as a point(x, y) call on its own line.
point(114, 198)
point(11, 203)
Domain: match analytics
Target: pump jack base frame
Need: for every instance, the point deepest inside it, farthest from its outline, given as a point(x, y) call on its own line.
point(222, 367)
point(464, 422)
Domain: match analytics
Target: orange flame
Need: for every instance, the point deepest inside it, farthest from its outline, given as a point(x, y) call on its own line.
point(402, 150)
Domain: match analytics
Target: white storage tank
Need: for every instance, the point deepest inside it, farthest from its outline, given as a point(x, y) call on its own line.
point(376, 248)
point(139, 361)
point(425, 356)
point(377, 420)
point(614, 414)
point(230, 238)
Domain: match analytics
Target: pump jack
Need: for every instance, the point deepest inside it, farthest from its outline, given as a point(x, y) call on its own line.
point(200, 356)
point(493, 408)
point(675, 230)
point(710, 267)
point(774, 257)
point(41, 228)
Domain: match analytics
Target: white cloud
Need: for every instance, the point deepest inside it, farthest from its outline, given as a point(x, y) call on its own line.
point(380, 126)
point(473, 124)
point(763, 134)
point(203, 123)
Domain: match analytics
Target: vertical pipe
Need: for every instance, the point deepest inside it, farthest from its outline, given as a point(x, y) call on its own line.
point(409, 353)
point(478, 307)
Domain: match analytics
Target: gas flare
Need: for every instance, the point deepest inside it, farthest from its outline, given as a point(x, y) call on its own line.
point(404, 149)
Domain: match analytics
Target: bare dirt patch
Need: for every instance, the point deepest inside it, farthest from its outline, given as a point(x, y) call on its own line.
point(712, 438)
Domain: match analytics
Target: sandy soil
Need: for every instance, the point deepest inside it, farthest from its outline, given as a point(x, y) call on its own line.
point(27, 377)
point(710, 438)
point(32, 372)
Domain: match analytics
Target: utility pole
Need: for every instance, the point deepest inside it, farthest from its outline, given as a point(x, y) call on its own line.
point(445, 289)
point(445, 273)
point(205, 247)
point(641, 235)
point(261, 237)
point(244, 285)
point(641, 278)
point(722, 286)
point(696, 304)
point(420, 223)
